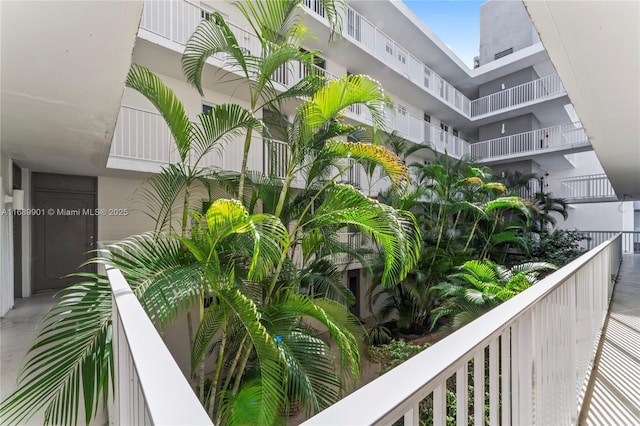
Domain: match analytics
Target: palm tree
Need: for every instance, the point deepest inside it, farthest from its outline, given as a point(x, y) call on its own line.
point(266, 354)
point(478, 286)
point(544, 205)
point(281, 37)
point(170, 190)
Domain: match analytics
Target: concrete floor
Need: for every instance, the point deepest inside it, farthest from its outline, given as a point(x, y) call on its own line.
point(17, 331)
point(615, 395)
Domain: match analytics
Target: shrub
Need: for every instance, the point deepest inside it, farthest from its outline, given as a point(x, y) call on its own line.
point(558, 247)
point(395, 353)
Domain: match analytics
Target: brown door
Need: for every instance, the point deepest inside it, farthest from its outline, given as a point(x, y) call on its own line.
point(65, 232)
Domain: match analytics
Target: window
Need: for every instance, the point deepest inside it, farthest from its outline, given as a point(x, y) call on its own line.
point(402, 58)
point(388, 48)
point(207, 108)
point(402, 110)
point(455, 132)
point(444, 127)
point(426, 117)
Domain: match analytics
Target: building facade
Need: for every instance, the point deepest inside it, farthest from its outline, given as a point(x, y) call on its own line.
point(511, 113)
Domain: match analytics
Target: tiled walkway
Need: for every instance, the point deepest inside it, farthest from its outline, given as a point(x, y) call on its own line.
point(17, 331)
point(615, 399)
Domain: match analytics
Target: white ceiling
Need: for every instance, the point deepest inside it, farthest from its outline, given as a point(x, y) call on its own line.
point(63, 67)
point(595, 47)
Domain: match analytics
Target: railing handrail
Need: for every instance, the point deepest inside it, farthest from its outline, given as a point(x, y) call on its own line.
point(450, 96)
point(608, 232)
point(418, 376)
point(168, 397)
point(409, 53)
point(569, 126)
point(528, 83)
point(580, 178)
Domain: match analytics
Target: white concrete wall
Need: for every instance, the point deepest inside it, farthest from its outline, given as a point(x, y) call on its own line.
point(6, 239)
point(611, 216)
point(504, 24)
point(120, 194)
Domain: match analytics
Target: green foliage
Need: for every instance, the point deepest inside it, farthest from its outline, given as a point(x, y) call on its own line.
point(558, 247)
point(479, 286)
point(463, 214)
point(395, 353)
point(378, 335)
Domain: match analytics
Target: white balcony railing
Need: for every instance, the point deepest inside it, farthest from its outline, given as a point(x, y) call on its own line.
point(630, 240)
point(176, 21)
point(532, 91)
point(415, 129)
point(582, 188)
point(353, 240)
point(443, 141)
point(531, 188)
point(563, 136)
point(149, 387)
point(528, 359)
point(142, 135)
point(276, 159)
point(366, 35)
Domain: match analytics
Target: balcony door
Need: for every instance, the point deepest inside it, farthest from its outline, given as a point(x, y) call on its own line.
point(66, 230)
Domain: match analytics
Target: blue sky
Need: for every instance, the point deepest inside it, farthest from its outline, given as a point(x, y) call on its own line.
point(455, 22)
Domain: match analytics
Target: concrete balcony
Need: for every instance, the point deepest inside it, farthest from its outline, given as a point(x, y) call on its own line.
point(583, 189)
point(543, 89)
point(142, 142)
point(551, 355)
point(175, 21)
point(567, 138)
point(370, 38)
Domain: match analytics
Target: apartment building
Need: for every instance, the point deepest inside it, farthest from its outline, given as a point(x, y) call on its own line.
point(73, 138)
point(511, 113)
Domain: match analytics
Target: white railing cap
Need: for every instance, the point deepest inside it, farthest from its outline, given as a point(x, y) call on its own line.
point(169, 398)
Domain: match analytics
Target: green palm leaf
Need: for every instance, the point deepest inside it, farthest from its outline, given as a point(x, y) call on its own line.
point(71, 359)
point(395, 230)
point(166, 102)
point(210, 37)
point(223, 123)
point(393, 166)
point(336, 96)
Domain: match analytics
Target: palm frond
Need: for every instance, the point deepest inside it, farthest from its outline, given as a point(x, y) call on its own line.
point(393, 166)
point(223, 123)
point(396, 231)
point(336, 96)
point(71, 359)
point(166, 102)
point(212, 36)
